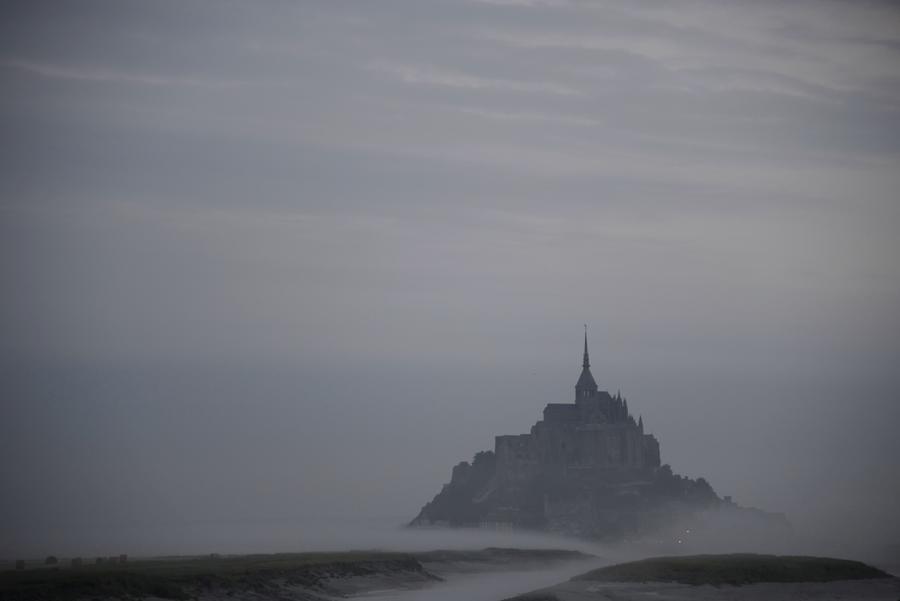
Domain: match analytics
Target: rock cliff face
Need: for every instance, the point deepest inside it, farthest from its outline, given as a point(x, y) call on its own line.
point(619, 504)
point(587, 469)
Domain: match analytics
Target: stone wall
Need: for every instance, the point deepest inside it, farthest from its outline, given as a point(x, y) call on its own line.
point(516, 460)
point(651, 451)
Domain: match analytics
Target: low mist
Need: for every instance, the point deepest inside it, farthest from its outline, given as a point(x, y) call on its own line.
point(128, 455)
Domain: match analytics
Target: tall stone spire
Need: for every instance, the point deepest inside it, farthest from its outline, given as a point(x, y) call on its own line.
point(587, 362)
point(586, 385)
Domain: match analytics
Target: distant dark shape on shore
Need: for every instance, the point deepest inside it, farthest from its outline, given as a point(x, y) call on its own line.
point(586, 469)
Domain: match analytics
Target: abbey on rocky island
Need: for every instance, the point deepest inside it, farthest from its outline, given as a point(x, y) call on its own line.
point(587, 468)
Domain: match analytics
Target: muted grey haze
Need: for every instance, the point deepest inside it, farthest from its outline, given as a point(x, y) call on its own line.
point(282, 260)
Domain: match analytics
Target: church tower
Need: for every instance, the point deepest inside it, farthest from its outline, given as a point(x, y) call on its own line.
point(586, 386)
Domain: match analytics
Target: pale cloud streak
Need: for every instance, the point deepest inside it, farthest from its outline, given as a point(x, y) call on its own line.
point(104, 75)
point(426, 75)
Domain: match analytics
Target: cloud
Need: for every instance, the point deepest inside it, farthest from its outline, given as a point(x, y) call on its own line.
point(104, 75)
point(424, 75)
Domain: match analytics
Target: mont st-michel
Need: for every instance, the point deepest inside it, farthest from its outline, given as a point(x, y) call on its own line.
point(587, 469)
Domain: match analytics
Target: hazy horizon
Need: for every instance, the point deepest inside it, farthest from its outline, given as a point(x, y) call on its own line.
point(286, 260)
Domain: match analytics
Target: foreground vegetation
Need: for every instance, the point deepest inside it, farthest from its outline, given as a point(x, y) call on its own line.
point(264, 575)
point(736, 569)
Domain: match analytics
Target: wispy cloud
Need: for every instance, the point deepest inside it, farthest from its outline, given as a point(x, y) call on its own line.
point(433, 76)
point(104, 75)
point(527, 3)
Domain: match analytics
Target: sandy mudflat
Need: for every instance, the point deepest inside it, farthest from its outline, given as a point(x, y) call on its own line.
point(882, 589)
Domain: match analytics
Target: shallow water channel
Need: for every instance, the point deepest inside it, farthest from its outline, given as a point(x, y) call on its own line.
point(489, 586)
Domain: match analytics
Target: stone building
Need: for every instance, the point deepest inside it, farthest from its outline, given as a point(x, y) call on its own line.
point(588, 437)
point(586, 468)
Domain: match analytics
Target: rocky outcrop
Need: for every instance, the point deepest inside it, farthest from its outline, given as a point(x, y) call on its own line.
point(620, 504)
point(587, 468)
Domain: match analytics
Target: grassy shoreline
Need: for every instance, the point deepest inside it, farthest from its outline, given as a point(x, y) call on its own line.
point(302, 575)
point(735, 569)
point(748, 577)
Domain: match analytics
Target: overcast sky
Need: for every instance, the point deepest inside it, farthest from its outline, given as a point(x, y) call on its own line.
point(276, 259)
